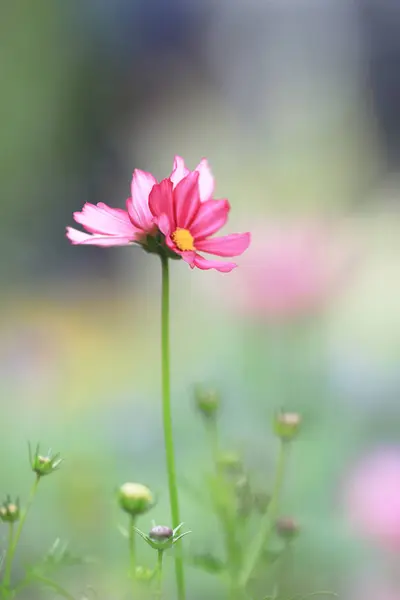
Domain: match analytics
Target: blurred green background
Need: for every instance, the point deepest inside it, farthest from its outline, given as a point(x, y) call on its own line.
point(294, 105)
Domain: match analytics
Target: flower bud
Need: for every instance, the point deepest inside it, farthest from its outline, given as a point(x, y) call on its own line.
point(287, 528)
point(161, 533)
point(9, 511)
point(135, 498)
point(207, 402)
point(144, 574)
point(230, 464)
point(286, 425)
point(44, 465)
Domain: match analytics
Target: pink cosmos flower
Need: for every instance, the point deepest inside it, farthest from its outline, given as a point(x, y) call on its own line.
point(181, 207)
point(372, 497)
point(292, 269)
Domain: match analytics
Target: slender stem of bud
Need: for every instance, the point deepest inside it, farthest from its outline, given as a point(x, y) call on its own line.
point(267, 523)
point(8, 562)
point(13, 546)
point(132, 546)
point(167, 422)
point(212, 431)
point(160, 556)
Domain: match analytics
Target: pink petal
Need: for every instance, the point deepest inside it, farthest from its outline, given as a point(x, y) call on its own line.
point(163, 225)
point(204, 264)
point(79, 237)
point(161, 201)
point(211, 216)
point(102, 219)
point(186, 200)
point(179, 170)
point(228, 245)
point(138, 205)
point(206, 180)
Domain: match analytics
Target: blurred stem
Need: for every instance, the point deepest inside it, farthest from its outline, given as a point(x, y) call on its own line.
point(213, 437)
point(13, 545)
point(132, 546)
point(167, 422)
point(160, 556)
point(227, 520)
point(8, 561)
point(267, 523)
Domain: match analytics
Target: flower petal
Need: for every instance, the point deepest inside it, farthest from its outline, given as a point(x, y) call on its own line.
point(204, 264)
point(161, 201)
point(206, 180)
point(186, 200)
point(163, 225)
point(138, 204)
point(227, 245)
point(79, 237)
point(179, 170)
point(102, 219)
point(211, 216)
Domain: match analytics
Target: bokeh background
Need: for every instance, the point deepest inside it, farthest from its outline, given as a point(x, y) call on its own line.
point(296, 106)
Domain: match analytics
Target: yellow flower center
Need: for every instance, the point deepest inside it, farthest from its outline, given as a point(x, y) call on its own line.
point(183, 239)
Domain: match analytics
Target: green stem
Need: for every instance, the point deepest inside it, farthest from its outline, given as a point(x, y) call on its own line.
point(267, 523)
point(132, 546)
point(160, 557)
point(14, 544)
point(212, 432)
point(8, 562)
point(167, 422)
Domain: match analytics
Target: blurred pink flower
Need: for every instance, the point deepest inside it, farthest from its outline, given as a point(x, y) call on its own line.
point(372, 497)
point(291, 270)
point(180, 207)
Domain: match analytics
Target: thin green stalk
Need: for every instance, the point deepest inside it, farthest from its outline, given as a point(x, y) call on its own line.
point(167, 422)
point(160, 556)
point(13, 546)
point(213, 437)
point(132, 546)
point(267, 523)
point(8, 561)
point(228, 526)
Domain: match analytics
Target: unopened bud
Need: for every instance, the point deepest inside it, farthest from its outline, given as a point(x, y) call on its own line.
point(286, 425)
point(161, 533)
point(135, 498)
point(144, 574)
point(230, 464)
point(44, 465)
point(9, 511)
point(207, 402)
point(287, 528)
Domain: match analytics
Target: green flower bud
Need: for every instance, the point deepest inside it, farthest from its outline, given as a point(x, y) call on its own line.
point(135, 498)
point(44, 465)
point(230, 464)
point(287, 528)
point(207, 402)
point(9, 511)
point(287, 425)
point(144, 574)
